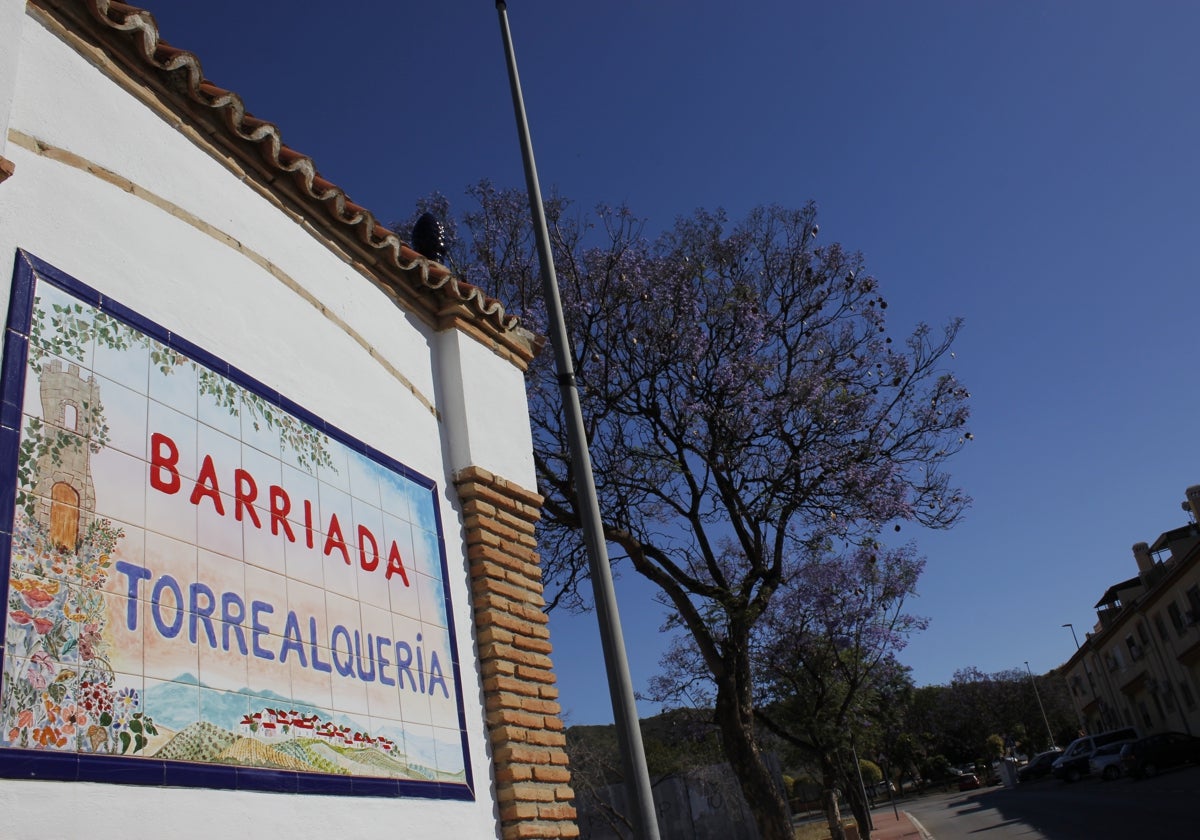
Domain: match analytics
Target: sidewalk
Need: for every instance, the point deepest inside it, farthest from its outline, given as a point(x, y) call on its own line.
point(887, 827)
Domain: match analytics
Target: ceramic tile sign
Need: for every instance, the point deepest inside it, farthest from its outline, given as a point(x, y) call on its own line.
point(203, 576)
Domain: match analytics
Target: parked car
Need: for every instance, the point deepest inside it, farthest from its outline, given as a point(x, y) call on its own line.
point(968, 781)
point(1039, 766)
point(1106, 761)
point(1145, 757)
point(1072, 765)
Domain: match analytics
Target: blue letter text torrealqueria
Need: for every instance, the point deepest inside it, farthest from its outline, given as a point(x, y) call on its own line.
point(357, 655)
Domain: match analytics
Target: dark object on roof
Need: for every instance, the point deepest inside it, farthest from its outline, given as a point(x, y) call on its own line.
point(429, 238)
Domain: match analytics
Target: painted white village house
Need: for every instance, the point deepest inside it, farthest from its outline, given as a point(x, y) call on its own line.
point(266, 486)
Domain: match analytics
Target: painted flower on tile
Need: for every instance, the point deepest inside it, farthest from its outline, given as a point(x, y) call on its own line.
point(38, 594)
point(23, 723)
point(39, 671)
point(49, 736)
point(127, 700)
point(72, 716)
point(96, 698)
point(88, 640)
point(56, 616)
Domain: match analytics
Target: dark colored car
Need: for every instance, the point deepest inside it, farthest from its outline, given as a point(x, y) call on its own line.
point(1039, 767)
point(968, 781)
point(1145, 757)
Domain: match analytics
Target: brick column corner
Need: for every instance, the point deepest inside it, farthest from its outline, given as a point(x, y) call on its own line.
point(530, 763)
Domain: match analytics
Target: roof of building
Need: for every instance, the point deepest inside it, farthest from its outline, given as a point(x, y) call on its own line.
point(1113, 594)
point(130, 36)
point(1167, 537)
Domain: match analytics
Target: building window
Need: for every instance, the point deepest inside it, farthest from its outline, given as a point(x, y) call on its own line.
point(1147, 721)
point(1176, 618)
point(1143, 633)
point(70, 417)
point(1135, 652)
point(1189, 699)
point(1193, 596)
point(1160, 626)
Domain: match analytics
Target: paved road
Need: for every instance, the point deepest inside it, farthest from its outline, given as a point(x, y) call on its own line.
point(1163, 807)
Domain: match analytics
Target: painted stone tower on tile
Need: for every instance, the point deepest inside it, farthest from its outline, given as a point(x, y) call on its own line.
point(70, 405)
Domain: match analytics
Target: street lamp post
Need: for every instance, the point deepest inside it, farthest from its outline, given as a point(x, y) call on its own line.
point(1091, 682)
point(1045, 719)
point(620, 686)
point(1074, 699)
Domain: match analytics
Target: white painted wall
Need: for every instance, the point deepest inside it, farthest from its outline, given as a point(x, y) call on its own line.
point(11, 13)
point(192, 282)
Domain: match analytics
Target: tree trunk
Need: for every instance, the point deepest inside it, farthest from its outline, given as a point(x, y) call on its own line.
point(829, 795)
point(765, 799)
point(854, 796)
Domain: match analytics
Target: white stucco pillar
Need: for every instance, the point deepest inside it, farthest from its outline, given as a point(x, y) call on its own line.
point(484, 409)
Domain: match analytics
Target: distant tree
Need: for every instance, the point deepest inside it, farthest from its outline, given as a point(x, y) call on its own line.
point(903, 756)
point(936, 768)
point(676, 742)
point(745, 405)
point(993, 747)
point(1020, 739)
point(887, 736)
point(957, 719)
point(824, 658)
point(595, 765)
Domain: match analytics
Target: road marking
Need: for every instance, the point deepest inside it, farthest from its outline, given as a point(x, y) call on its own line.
point(925, 835)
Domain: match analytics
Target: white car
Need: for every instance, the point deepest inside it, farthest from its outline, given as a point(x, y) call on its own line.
point(1106, 761)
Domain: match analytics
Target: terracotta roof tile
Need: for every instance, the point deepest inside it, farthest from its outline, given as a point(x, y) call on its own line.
point(181, 75)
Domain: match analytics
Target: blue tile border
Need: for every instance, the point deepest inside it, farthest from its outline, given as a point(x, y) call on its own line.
point(186, 774)
point(325, 785)
point(131, 770)
point(124, 771)
point(49, 764)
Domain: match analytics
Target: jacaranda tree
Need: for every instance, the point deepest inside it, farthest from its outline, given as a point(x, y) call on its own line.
point(745, 405)
point(825, 668)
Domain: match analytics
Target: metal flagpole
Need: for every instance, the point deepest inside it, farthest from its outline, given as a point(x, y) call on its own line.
point(620, 686)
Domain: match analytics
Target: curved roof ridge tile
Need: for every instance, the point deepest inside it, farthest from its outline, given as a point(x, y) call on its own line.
point(163, 56)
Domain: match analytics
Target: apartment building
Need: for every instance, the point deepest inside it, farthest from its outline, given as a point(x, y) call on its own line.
point(1140, 665)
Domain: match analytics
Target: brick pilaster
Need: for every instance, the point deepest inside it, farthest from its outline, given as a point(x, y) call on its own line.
point(532, 777)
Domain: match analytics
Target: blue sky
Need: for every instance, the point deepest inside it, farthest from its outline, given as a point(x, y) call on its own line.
point(1029, 166)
